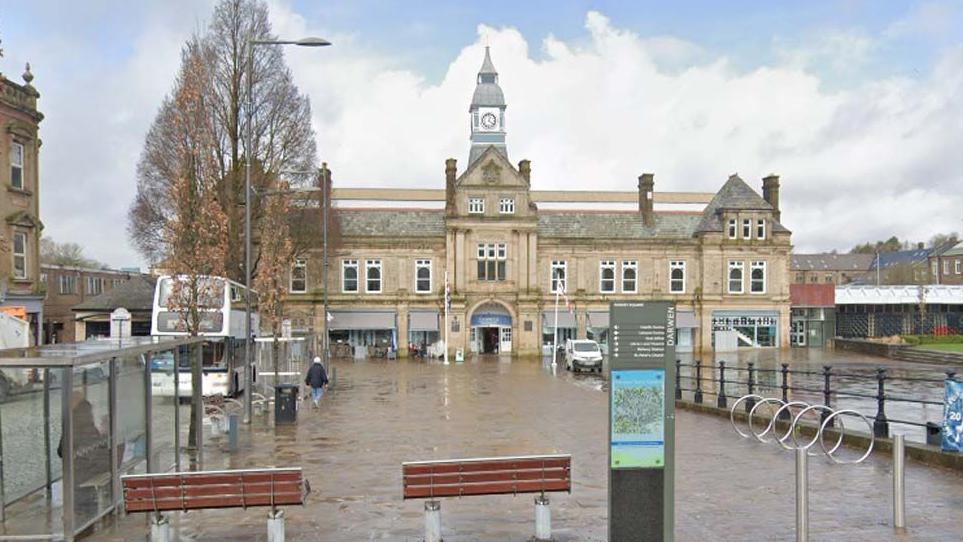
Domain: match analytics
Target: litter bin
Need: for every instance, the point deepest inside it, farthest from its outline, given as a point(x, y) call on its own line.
point(286, 403)
point(934, 434)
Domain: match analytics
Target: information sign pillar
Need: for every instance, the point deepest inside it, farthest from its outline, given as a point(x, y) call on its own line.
point(641, 421)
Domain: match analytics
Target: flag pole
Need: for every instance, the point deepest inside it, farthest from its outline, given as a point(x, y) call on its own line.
point(446, 316)
point(558, 289)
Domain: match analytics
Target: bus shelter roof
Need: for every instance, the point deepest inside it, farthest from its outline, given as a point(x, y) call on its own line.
point(90, 351)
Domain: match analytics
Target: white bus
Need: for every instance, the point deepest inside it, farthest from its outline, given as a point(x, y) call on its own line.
point(222, 307)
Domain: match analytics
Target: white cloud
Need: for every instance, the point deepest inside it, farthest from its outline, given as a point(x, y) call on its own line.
point(872, 160)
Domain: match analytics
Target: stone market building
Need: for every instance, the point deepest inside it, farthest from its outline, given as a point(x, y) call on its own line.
point(20, 290)
point(507, 250)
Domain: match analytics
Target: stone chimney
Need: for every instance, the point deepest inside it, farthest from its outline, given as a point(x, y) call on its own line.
point(770, 193)
point(450, 171)
point(525, 169)
point(646, 205)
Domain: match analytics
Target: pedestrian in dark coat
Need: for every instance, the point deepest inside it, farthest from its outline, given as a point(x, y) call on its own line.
point(317, 380)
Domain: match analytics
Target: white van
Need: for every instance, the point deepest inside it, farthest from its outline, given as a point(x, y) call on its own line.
point(583, 354)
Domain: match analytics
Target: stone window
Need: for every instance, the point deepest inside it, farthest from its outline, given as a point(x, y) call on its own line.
point(349, 276)
point(958, 264)
point(372, 275)
point(946, 267)
point(606, 276)
point(559, 275)
point(299, 277)
point(757, 278)
point(492, 259)
point(732, 228)
point(800, 278)
point(736, 270)
point(423, 276)
point(19, 255)
point(677, 277)
point(747, 228)
point(476, 206)
point(630, 276)
point(68, 284)
point(760, 229)
point(95, 286)
point(16, 165)
point(506, 206)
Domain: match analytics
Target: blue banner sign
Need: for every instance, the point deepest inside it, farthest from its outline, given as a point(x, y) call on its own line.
point(489, 319)
point(953, 417)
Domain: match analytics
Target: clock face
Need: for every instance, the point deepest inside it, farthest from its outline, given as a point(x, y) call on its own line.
point(488, 121)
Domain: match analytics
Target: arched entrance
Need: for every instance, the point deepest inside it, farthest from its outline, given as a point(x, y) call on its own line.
point(491, 329)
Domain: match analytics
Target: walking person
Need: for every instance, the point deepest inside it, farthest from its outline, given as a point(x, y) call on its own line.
point(317, 379)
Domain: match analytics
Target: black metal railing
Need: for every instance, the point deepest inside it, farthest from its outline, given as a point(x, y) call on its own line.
point(829, 385)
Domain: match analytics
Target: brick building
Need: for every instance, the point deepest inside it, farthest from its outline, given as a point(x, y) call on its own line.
point(507, 249)
point(67, 287)
point(830, 268)
point(20, 200)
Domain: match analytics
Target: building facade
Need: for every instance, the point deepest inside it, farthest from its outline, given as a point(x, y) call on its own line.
point(830, 268)
point(946, 266)
point(67, 287)
point(21, 289)
point(509, 259)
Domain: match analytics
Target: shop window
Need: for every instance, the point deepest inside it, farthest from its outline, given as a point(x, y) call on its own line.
point(559, 274)
point(19, 255)
point(757, 278)
point(299, 276)
point(476, 206)
point(492, 259)
point(16, 165)
point(506, 206)
point(372, 275)
point(349, 276)
point(735, 277)
point(606, 276)
point(630, 276)
point(423, 276)
point(677, 277)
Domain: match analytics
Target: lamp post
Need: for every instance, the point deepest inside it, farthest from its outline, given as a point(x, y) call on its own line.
point(251, 44)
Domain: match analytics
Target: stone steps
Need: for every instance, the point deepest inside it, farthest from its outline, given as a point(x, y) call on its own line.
point(923, 355)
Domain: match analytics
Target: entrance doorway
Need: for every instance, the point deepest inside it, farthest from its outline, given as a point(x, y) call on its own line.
point(491, 330)
point(489, 340)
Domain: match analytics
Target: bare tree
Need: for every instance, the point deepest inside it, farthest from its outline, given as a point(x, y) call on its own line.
point(70, 254)
point(283, 137)
point(193, 229)
point(277, 252)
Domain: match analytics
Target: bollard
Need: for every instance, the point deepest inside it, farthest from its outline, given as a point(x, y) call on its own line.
point(232, 431)
point(785, 391)
point(881, 425)
point(721, 396)
point(432, 521)
point(275, 526)
point(698, 389)
point(160, 528)
point(899, 480)
point(543, 519)
point(802, 495)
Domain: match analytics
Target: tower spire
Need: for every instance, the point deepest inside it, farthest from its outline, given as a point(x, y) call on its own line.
point(487, 112)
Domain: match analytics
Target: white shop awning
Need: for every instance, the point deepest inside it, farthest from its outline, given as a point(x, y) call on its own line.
point(686, 319)
point(423, 321)
point(358, 320)
point(565, 318)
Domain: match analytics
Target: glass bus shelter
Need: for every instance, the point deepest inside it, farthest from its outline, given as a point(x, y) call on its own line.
point(74, 418)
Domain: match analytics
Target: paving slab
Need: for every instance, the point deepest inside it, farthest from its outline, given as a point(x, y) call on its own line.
point(383, 413)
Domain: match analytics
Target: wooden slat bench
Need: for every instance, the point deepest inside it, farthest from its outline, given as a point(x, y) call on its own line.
point(539, 474)
point(203, 490)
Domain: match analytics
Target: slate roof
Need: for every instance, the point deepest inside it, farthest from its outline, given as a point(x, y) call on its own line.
point(832, 262)
point(136, 294)
point(902, 257)
point(955, 250)
point(487, 95)
point(390, 222)
point(734, 195)
point(615, 225)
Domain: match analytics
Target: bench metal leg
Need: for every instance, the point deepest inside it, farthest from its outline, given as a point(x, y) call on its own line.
point(160, 528)
point(275, 526)
point(543, 519)
point(432, 521)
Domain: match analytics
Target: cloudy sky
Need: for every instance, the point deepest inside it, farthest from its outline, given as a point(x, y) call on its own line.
point(858, 105)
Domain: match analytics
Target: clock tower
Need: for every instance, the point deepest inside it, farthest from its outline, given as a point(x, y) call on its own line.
point(487, 112)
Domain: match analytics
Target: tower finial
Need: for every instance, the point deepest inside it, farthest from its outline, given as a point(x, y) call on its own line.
point(27, 75)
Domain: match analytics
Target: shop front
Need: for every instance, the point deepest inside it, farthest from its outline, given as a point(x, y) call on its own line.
point(361, 333)
point(491, 330)
point(567, 328)
point(685, 329)
point(423, 332)
point(752, 329)
point(597, 328)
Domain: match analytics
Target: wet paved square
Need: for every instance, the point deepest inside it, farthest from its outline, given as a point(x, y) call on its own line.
point(382, 413)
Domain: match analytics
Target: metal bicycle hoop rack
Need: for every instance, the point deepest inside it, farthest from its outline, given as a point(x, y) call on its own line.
point(795, 412)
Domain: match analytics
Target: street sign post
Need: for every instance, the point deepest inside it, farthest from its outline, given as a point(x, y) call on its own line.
point(641, 421)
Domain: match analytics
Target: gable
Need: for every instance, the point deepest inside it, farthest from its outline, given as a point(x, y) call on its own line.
point(491, 170)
